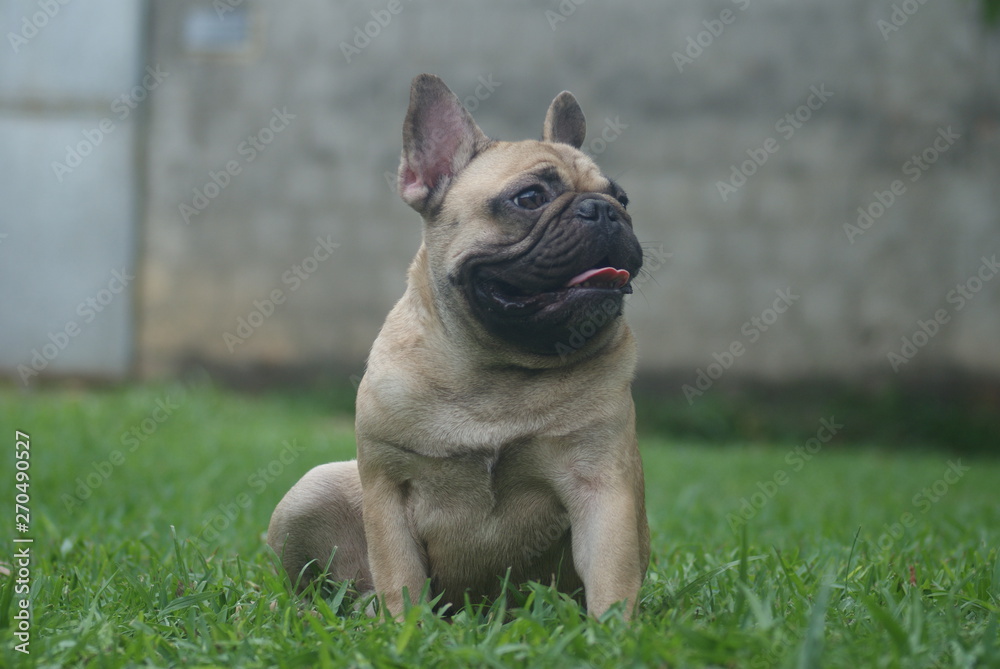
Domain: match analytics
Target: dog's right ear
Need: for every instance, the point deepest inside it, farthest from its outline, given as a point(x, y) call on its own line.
point(564, 121)
point(439, 140)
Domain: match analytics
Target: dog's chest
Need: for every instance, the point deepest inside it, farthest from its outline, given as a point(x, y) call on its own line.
point(485, 505)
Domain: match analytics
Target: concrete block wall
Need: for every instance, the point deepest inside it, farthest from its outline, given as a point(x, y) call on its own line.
point(747, 132)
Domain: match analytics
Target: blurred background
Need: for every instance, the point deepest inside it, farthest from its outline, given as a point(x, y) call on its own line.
point(210, 184)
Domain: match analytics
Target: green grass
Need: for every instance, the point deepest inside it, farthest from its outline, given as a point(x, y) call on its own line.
point(844, 561)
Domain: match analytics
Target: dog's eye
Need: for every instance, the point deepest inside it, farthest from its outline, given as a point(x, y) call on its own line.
point(623, 199)
point(531, 198)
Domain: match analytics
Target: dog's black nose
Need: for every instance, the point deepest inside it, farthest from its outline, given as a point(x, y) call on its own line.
point(597, 210)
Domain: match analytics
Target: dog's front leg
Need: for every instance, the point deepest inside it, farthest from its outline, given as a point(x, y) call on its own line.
point(606, 551)
point(394, 556)
point(610, 532)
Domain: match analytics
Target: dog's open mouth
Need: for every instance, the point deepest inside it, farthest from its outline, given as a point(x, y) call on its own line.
point(498, 294)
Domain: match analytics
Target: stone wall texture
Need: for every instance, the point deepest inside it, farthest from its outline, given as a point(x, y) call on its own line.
point(817, 183)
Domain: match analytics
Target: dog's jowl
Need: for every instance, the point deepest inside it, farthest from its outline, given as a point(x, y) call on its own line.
point(495, 423)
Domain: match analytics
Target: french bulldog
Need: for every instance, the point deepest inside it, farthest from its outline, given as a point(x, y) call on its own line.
point(495, 423)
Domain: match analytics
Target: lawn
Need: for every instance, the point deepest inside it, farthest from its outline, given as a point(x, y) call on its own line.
point(148, 506)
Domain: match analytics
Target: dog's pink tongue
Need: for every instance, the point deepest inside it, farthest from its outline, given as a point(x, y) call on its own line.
point(616, 277)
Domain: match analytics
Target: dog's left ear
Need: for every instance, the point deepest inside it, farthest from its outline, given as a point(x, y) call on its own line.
point(439, 140)
point(564, 122)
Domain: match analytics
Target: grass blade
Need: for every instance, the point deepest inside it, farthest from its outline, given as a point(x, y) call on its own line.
point(896, 633)
point(188, 600)
point(798, 586)
point(812, 644)
point(700, 581)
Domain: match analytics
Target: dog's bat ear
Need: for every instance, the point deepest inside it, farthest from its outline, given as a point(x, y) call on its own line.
point(439, 140)
point(564, 122)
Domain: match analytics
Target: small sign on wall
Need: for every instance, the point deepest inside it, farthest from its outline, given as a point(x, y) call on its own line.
point(222, 29)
